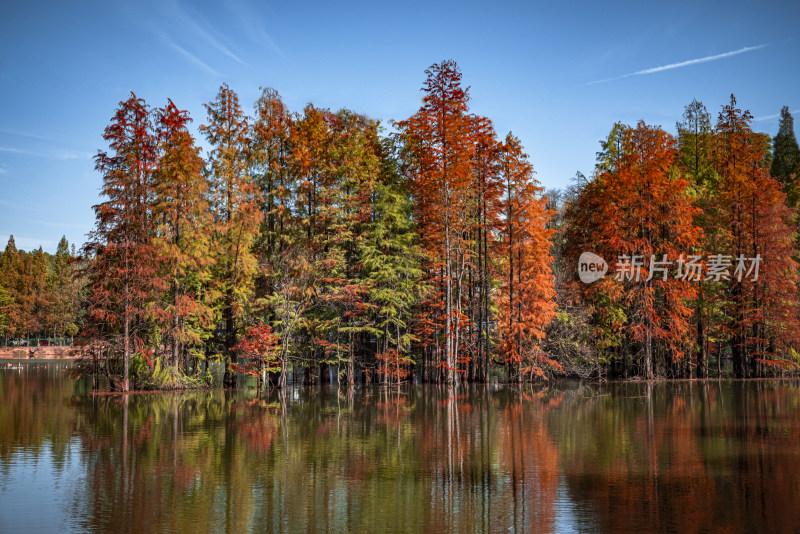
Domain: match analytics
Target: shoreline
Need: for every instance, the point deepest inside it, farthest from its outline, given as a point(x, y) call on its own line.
point(42, 353)
point(64, 353)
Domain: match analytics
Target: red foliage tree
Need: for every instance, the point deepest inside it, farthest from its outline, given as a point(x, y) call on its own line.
point(259, 348)
point(751, 211)
point(122, 275)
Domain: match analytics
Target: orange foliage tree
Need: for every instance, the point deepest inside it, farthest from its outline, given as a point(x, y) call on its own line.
point(488, 185)
point(236, 205)
point(752, 213)
point(439, 140)
point(526, 301)
point(636, 210)
point(270, 153)
point(182, 239)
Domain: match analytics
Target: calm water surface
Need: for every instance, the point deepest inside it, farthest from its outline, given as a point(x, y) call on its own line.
point(684, 457)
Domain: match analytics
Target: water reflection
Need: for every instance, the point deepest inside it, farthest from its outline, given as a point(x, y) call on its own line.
point(688, 457)
point(620, 457)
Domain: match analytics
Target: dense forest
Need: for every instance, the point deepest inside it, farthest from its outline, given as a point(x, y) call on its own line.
point(322, 243)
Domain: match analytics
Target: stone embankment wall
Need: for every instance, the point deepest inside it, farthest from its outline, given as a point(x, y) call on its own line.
point(42, 353)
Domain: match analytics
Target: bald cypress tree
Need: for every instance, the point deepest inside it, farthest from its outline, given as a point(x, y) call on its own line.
point(526, 299)
point(440, 149)
point(236, 208)
point(695, 160)
point(181, 211)
point(121, 273)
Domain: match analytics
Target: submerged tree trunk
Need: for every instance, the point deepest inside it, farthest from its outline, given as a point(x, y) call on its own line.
point(229, 377)
point(702, 365)
point(648, 355)
point(351, 366)
point(126, 355)
point(175, 342)
point(284, 367)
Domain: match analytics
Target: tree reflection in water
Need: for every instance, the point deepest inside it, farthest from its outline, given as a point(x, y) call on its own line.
point(679, 456)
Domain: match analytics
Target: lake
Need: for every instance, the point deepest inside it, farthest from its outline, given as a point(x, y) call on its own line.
point(615, 457)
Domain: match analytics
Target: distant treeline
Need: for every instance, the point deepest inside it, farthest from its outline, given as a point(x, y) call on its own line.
point(39, 293)
point(317, 240)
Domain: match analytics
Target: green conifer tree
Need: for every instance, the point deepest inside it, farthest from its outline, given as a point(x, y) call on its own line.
point(786, 157)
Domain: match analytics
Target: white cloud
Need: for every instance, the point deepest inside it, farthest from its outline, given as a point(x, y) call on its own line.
point(681, 64)
point(59, 155)
point(768, 117)
point(191, 57)
point(251, 22)
point(23, 134)
point(213, 41)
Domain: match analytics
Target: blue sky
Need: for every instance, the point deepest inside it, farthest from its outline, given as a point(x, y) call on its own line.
point(556, 74)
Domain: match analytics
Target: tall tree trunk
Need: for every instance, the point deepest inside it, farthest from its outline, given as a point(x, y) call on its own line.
point(448, 312)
